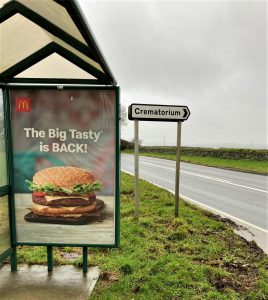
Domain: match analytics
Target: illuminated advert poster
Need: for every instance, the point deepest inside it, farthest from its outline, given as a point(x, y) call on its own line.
point(64, 156)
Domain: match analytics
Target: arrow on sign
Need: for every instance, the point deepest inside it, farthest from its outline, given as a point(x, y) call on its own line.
point(185, 113)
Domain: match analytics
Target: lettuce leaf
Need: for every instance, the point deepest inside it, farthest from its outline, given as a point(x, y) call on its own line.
point(49, 188)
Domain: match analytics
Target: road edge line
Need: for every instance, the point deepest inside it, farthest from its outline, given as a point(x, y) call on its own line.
point(206, 206)
point(223, 213)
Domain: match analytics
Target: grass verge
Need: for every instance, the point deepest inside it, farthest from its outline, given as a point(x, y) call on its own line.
point(195, 256)
point(252, 166)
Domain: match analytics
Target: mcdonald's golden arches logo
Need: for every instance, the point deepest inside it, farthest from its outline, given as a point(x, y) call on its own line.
point(23, 104)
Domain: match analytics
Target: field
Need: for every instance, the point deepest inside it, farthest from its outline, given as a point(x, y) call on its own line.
point(194, 256)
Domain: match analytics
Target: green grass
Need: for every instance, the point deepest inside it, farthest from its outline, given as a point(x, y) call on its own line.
point(194, 256)
point(254, 166)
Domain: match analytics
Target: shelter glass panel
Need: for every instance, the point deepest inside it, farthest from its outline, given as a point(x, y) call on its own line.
point(3, 160)
point(5, 242)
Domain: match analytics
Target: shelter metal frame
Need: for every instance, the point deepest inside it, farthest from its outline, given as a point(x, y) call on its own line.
point(104, 80)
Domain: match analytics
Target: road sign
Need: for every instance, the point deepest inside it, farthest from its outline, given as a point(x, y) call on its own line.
point(153, 112)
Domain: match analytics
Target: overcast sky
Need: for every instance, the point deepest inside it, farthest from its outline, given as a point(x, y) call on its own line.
point(208, 55)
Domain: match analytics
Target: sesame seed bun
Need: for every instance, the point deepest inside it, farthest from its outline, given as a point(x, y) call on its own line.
point(63, 177)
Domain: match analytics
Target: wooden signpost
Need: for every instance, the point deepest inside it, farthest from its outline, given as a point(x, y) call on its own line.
point(163, 113)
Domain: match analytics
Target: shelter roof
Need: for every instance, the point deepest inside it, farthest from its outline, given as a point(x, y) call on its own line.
point(49, 40)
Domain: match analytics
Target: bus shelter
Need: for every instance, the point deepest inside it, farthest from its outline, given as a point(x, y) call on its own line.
point(59, 130)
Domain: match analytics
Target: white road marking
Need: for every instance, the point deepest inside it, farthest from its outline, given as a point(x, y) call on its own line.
point(223, 213)
point(207, 207)
point(205, 177)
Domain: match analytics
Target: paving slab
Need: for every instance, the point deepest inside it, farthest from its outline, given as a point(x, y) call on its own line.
point(35, 283)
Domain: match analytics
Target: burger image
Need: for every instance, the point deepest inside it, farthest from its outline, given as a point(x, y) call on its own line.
point(64, 193)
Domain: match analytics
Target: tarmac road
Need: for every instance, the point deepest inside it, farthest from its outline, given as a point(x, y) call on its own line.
point(240, 196)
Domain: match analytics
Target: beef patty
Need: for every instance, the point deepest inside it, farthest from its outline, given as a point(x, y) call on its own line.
point(77, 201)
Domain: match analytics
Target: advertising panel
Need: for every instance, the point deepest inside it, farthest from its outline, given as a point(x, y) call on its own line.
point(65, 166)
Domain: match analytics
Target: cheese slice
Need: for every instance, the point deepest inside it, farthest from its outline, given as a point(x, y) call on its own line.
point(51, 198)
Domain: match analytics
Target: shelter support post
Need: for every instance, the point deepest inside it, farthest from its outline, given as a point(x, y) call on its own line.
point(85, 259)
point(49, 259)
point(13, 259)
point(177, 180)
point(136, 185)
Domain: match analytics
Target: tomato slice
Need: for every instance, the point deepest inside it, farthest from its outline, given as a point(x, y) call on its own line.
point(38, 194)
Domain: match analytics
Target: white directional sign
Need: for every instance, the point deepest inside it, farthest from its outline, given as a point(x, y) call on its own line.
point(165, 113)
point(151, 112)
